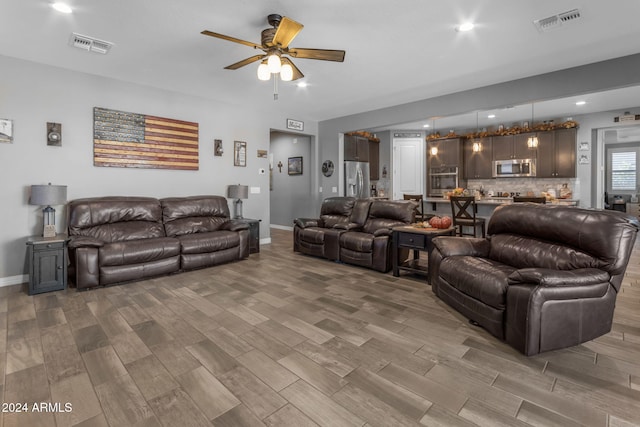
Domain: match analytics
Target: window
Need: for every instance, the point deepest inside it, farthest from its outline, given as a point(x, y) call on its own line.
point(623, 170)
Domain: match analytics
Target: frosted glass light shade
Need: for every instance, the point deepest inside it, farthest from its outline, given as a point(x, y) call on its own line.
point(286, 73)
point(263, 72)
point(532, 142)
point(274, 64)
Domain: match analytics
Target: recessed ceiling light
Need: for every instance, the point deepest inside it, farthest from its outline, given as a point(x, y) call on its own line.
point(302, 84)
point(62, 7)
point(491, 116)
point(425, 126)
point(467, 26)
point(581, 102)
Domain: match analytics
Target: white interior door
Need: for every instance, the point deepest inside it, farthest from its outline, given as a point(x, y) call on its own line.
point(408, 167)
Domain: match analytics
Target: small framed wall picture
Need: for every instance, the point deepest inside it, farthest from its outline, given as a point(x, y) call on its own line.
point(239, 153)
point(6, 130)
point(295, 166)
point(584, 146)
point(217, 147)
point(295, 125)
point(584, 159)
point(54, 134)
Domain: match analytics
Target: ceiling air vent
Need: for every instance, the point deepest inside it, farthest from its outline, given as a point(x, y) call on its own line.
point(89, 43)
point(555, 21)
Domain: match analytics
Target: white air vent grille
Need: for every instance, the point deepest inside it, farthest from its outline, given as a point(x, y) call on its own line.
point(89, 43)
point(555, 21)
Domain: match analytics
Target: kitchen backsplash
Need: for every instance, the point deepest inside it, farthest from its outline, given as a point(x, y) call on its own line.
point(524, 185)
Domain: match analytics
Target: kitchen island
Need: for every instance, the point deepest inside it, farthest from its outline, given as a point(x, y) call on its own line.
point(441, 206)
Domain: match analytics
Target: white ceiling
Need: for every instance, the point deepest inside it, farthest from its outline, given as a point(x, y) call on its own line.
point(397, 52)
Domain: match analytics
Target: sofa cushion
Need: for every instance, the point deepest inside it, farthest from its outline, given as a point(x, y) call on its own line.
point(195, 214)
point(313, 235)
point(528, 252)
point(208, 242)
point(357, 241)
point(138, 251)
point(480, 278)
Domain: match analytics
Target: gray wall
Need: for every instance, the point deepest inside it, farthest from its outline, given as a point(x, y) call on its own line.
point(615, 73)
point(33, 94)
point(290, 192)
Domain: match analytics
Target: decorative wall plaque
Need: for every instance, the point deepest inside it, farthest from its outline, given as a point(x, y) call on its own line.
point(129, 140)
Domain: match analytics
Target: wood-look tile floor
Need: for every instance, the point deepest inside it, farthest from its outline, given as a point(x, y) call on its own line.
point(284, 339)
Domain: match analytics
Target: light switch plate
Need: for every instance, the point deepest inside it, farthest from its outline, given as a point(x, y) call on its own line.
point(255, 190)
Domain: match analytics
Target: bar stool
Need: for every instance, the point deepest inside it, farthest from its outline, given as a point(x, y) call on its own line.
point(464, 210)
point(419, 208)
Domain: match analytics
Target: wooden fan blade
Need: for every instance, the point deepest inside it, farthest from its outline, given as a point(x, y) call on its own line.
point(231, 39)
point(297, 74)
point(287, 30)
point(244, 62)
point(321, 54)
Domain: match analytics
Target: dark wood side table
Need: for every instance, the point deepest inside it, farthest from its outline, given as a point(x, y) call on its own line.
point(254, 234)
point(417, 239)
point(47, 257)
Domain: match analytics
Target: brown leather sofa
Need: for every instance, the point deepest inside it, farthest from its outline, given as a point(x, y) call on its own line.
point(120, 239)
point(353, 231)
point(545, 278)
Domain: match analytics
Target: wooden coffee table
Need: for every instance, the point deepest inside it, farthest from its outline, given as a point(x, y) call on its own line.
point(417, 239)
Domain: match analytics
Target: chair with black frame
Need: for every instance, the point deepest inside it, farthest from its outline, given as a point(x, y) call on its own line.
point(420, 216)
point(464, 211)
point(522, 199)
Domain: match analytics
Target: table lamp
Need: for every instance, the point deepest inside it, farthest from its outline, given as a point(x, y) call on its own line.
point(47, 195)
point(238, 192)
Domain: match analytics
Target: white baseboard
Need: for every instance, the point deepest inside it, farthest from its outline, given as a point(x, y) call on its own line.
point(265, 241)
point(13, 280)
point(282, 227)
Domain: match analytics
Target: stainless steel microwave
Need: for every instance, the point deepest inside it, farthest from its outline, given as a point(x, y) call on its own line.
point(514, 168)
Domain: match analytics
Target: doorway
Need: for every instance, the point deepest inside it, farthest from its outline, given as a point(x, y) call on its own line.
point(290, 178)
point(408, 165)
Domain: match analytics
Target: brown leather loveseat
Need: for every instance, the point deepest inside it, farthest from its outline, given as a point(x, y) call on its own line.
point(545, 278)
point(119, 239)
point(353, 231)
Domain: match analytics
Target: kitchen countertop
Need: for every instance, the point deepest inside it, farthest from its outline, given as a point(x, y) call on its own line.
point(499, 200)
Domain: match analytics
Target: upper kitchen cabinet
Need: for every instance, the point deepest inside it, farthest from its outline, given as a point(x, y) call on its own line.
point(448, 152)
point(509, 147)
point(557, 154)
point(356, 148)
point(477, 162)
point(374, 160)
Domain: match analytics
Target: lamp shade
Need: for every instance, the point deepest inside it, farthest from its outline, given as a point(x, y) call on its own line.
point(238, 191)
point(46, 195)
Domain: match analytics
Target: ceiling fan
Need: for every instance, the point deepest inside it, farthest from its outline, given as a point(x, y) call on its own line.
point(275, 45)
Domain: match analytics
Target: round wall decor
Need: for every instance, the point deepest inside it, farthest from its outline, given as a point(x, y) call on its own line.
point(327, 168)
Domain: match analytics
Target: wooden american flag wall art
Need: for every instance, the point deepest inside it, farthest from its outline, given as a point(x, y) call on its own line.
point(130, 140)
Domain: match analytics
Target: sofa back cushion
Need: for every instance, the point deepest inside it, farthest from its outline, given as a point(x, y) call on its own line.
point(195, 214)
point(561, 237)
point(335, 210)
point(116, 219)
point(388, 214)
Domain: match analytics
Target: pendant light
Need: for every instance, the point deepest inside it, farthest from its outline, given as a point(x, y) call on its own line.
point(434, 149)
point(477, 144)
point(532, 141)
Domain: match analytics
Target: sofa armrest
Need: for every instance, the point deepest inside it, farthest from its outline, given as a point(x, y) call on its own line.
point(348, 226)
point(382, 232)
point(456, 246)
point(547, 277)
point(306, 222)
point(76, 242)
point(233, 225)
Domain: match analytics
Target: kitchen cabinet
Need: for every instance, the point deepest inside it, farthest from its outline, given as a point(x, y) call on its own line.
point(557, 154)
point(356, 148)
point(374, 160)
point(478, 164)
point(449, 152)
point(509, 147)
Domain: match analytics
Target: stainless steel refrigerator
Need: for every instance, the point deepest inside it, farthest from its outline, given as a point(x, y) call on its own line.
point(356, 179)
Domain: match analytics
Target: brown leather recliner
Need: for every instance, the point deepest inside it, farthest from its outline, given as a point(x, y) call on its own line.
point(119, 239)
point(317, 236)
point(546, 277)
point(370, 245)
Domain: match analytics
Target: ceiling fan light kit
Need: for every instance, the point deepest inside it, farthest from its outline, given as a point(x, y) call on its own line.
point(275, 45)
